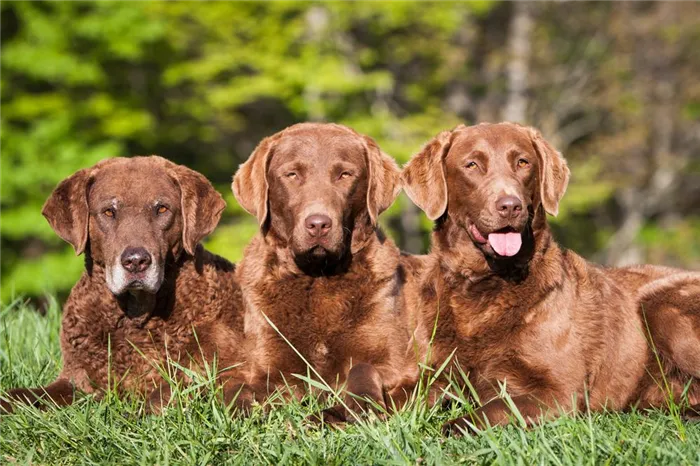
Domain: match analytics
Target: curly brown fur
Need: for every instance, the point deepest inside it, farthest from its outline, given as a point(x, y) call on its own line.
point(123, 320)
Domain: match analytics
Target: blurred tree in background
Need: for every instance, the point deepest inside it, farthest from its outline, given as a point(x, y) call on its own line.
point(612, 85)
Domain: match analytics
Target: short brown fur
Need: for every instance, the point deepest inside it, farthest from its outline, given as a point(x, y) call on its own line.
point(558, 331)
point(338, 298)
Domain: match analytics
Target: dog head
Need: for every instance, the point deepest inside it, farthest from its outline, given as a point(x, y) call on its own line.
point(489, 179)
point(318, 188)
point(135, 214)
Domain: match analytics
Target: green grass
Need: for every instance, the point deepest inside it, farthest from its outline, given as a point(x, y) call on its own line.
point(199, 431)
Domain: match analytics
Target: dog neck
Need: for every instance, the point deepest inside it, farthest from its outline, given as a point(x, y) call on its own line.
point(138, 305)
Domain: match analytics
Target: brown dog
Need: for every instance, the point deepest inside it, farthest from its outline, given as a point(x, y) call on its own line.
point(148, 287)
point(519, 311)
point(320, 270)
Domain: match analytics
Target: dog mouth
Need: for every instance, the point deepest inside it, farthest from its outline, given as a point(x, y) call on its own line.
point(142, 284)
point(317, 251)
point(319, 260)
point(505, 242)
point(135, 284)
point(318, 247)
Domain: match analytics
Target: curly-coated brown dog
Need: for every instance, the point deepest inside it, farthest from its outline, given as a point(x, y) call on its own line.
point(149, 290)
point(520, 312)
point(320, 272)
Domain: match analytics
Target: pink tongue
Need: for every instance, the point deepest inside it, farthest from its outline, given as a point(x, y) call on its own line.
point(506, 244)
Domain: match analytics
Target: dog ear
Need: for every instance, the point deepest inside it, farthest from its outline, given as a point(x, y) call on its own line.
point(383, 180)
point(250, 185)
point(424, 179)
point(553, 173)
point(67, 209)
point(201, 205)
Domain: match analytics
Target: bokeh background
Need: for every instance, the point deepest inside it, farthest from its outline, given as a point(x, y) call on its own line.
point(615, 86)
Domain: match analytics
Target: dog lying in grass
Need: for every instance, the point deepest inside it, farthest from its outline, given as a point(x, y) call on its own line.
point(322, 285)
point(517, 312)
point(149, 291)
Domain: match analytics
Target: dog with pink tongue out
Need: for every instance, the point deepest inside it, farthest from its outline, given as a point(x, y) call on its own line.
point(501, 302)
point(494, 214)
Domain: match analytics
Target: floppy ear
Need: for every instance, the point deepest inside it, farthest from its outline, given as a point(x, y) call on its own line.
point(250, 181)
point(553, 173)
point(67, 209)
point(201, 206)
point(383, 180)
point(424, 177)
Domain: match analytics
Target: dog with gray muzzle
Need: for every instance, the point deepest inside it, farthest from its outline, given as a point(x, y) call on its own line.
point(149, 291)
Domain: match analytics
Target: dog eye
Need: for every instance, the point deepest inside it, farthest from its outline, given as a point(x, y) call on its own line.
point(290, 175)
point(523, 163)
point(161, 209)
point(471, 165)
point(108, 213)
point(345, 175)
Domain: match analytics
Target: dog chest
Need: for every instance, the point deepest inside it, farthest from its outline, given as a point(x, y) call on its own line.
point(318, 319)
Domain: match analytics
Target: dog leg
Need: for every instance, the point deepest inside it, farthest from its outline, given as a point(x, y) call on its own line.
point(364, 390)
point(159, 399)
point(241, 397)
point(671, 309)
point(59, 393)
point(691, 414)
point(497, 413)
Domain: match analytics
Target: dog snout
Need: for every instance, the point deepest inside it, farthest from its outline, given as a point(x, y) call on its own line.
point(509, 207)
point(318, 225)
point(136, 260)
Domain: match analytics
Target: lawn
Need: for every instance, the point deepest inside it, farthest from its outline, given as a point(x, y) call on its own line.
point(199, 431)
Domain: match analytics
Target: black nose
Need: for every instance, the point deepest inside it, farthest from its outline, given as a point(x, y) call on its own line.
point(318, 225)
point(136, 259)
point(509, 206)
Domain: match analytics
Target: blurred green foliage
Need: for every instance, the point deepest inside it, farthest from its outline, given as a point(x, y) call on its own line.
point(201, 83)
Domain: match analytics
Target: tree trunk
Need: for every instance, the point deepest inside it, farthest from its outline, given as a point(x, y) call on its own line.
point(519, 46)
point(655, 63)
